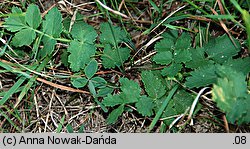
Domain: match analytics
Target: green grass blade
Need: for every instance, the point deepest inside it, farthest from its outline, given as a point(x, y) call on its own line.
point(5, 66)
point(25, 90)
point(163, 107)
point(32, 80)
point(81, 129)
point(60, 126)
point(13, 70)
point(246, 18)
point(154, 6)
point(36, 46)
point(228, 17)
point(10, 121)
point(197, 7)
point(13, 112)
point(12, 90)
point(18, 90)
point(236, 5)
point(70, 129)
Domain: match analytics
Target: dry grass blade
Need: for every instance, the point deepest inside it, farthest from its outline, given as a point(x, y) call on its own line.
point(195, 102)
point(225, 123)
point(83, 4)
point(72, 20)
point(111, 10)
point(62, 87)
point(172, 13)
point(45, 12)
point(223, 25)
point(37, 73)
point(221, 7)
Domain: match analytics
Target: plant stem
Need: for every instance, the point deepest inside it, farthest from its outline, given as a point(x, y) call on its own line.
point(115, 43)
point(44, 34)
point(163, 107)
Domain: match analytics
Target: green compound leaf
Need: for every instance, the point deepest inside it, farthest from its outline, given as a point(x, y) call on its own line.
point(230, 94)
point(221, 49)
point(113, 100)
point(111, 34)
point(130, 94)
point(202, 77)
point(168, 52)
point(80, 54)
point(171, 35)
point(104, 92)
point(99, 82)
point(164, 45)
point(172, 70)
point(111, 58)
point(91, 69)
point(198, 58)
point(82, 48)
point(83, 32)
point(145, 106)
point(113, 116)
point(153, 84)
point(113, 55)
point(49, 46)
point(182, 56)
point(240, 64)
point(130, 87)
point(33, 16)
point(16, 21)
point(25, 24)
point(163, 58)
point(79, 82)
point(52, 25)
point(183, 42)
point(23, 37)
point(181, 101)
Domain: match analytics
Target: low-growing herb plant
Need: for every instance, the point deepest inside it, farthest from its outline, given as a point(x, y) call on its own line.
point(157, 94)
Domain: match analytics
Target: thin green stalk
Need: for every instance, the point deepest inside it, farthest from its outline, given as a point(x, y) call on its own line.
point(58, 39)
point(179, 27)
point(120, 18)
point(197, 7)
point(36, 46)
point(112, 31)
point(163, 107)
